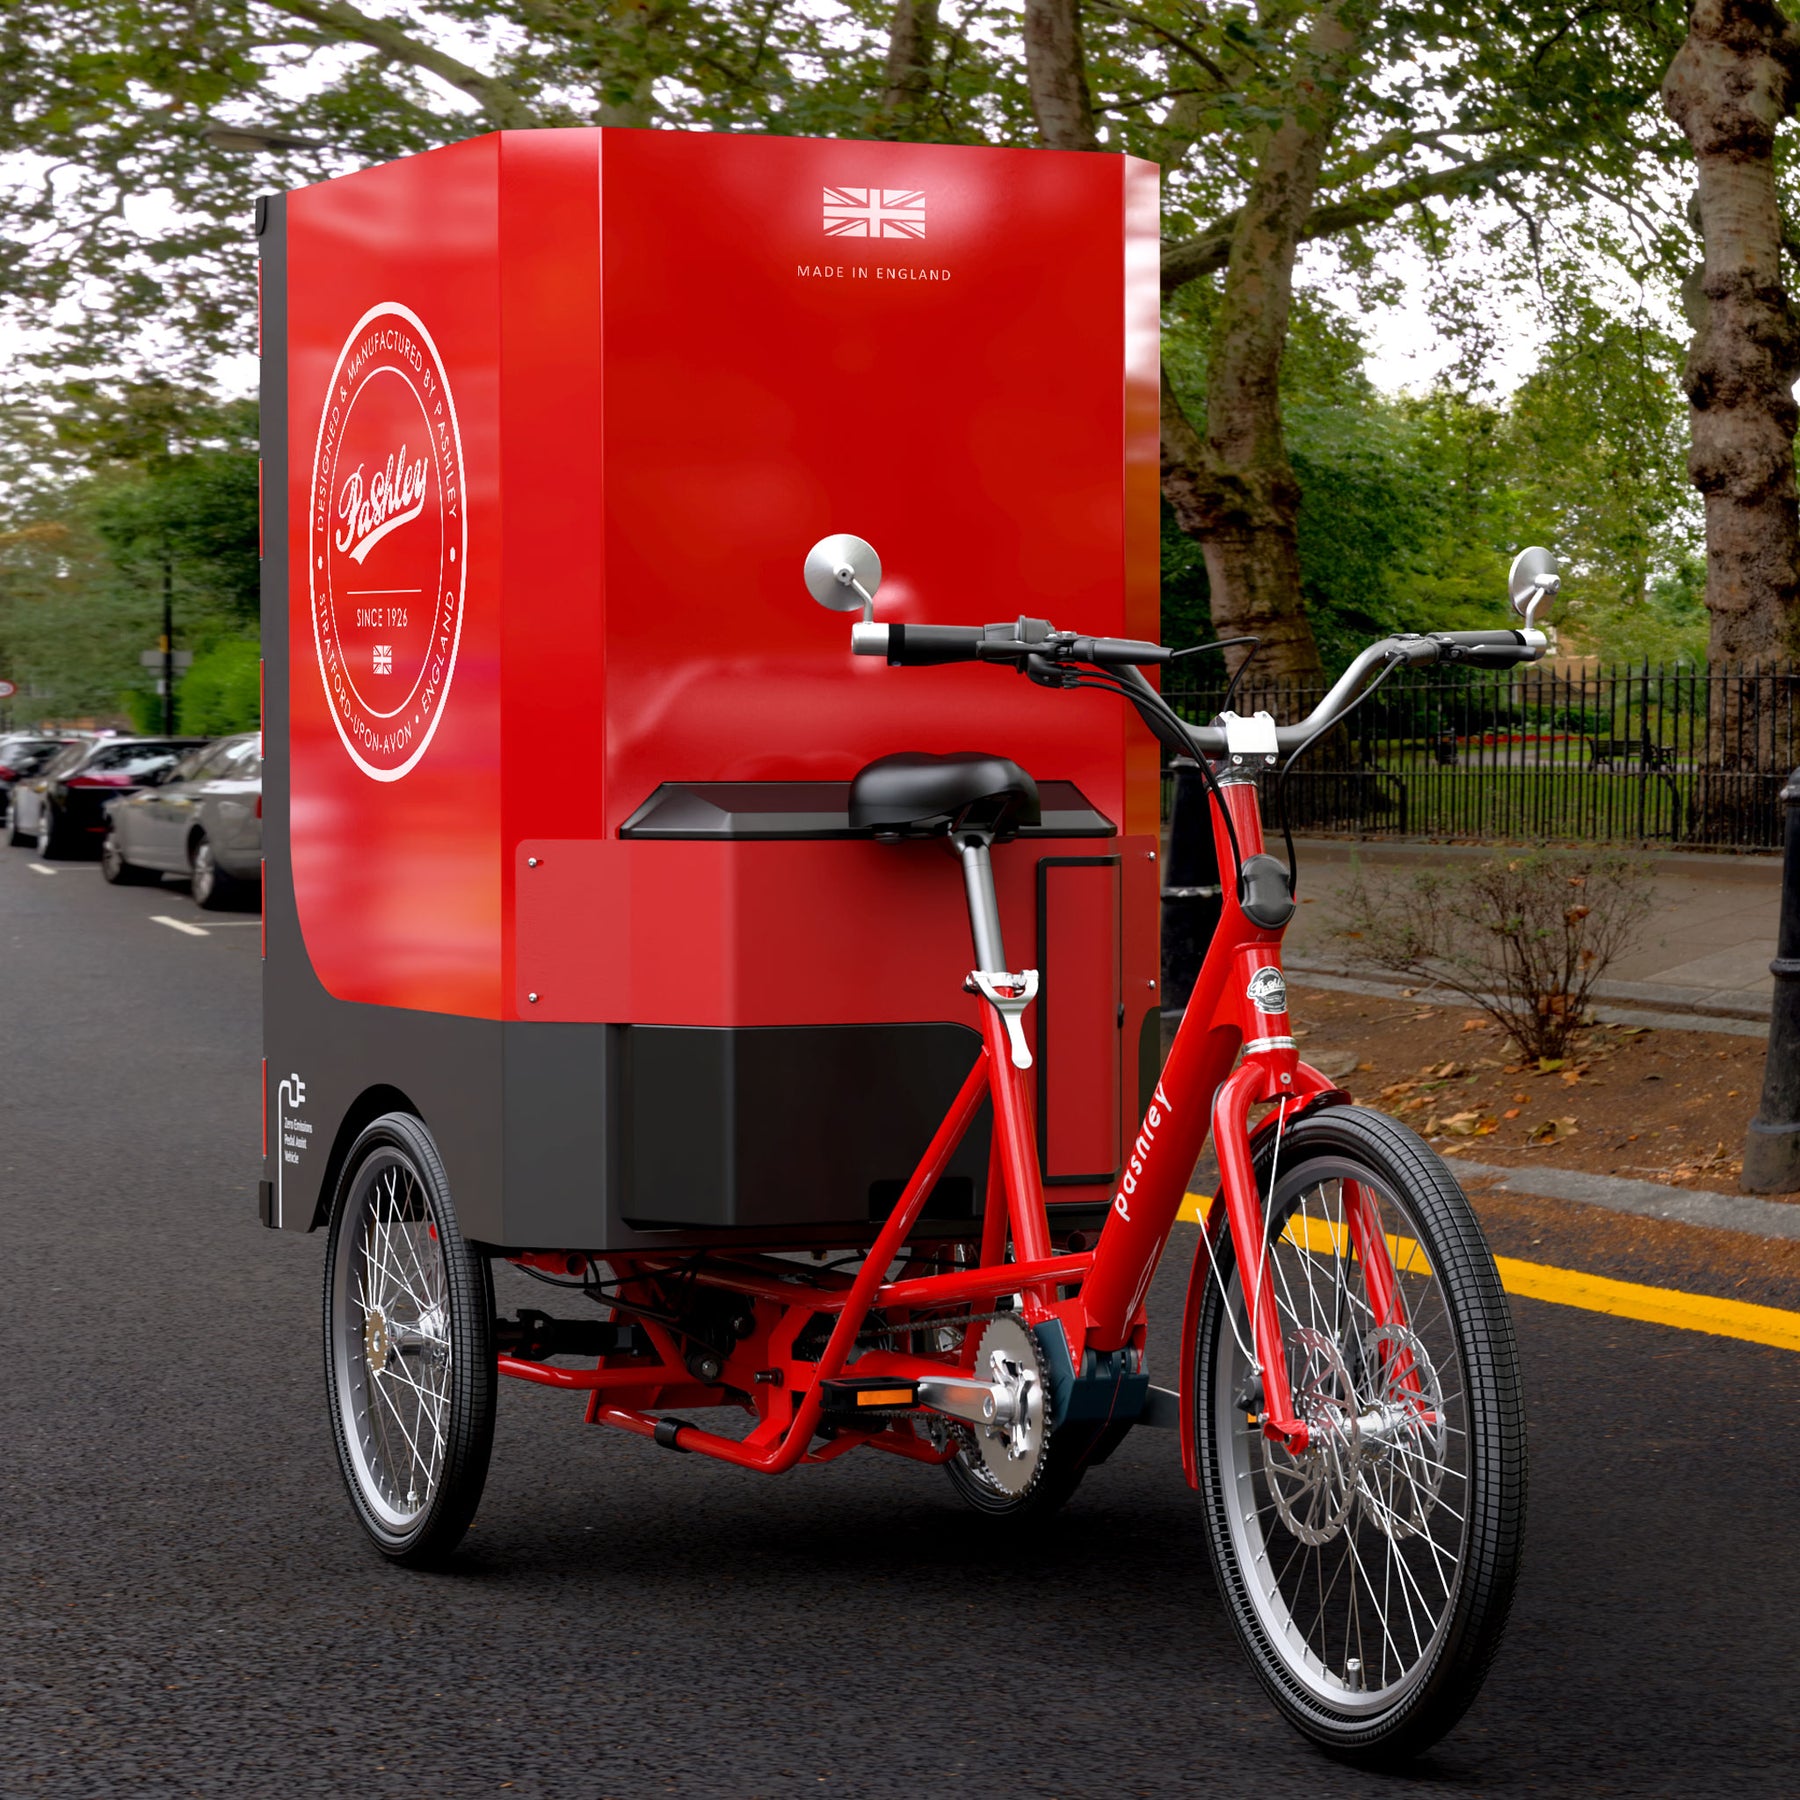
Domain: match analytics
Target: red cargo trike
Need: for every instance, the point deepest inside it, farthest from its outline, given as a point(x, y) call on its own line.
point(622, 924)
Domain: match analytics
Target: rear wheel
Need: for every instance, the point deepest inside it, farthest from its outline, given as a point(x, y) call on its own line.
point(409, 1346)
point(14, 836)
point(1368, 1578)
point(51, 837)
point(117, 870)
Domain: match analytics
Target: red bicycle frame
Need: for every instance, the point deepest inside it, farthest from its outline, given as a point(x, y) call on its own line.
point(1097, 1296)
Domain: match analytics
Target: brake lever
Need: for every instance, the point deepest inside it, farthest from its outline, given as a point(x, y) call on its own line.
point(1047, 673)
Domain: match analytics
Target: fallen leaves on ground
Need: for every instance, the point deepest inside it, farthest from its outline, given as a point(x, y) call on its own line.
point(1471, 1123)
point(1553, 1131)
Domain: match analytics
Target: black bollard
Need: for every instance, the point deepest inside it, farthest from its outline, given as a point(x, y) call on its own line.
point(1190, 897)
point(1772, 1145)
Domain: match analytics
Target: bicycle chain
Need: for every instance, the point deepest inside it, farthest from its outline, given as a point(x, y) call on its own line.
point(953, 1321)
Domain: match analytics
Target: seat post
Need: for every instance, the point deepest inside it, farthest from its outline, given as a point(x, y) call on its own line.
point(984, 908)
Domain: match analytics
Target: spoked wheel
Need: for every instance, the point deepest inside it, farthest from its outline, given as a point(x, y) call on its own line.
point(1369, 1578)
point(409, 1346)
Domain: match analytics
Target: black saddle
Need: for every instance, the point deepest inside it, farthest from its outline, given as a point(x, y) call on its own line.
point(915, 794)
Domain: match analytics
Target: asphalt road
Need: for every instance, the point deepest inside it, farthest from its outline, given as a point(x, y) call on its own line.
point(186, 1607)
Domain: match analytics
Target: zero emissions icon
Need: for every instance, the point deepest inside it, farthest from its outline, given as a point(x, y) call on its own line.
point(387, 541)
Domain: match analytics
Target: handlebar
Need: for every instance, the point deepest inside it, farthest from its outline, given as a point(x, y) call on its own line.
point(1053, 658)
point(921, 646)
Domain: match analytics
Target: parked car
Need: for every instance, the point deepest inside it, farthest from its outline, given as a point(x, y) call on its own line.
point(62, 809)
point(24, 753)
point(25, 800)
point(203, 820)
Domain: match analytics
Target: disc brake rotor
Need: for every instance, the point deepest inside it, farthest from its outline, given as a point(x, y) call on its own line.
point(1314, 1491)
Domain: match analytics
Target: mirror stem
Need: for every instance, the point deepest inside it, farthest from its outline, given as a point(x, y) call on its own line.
point(847, 576)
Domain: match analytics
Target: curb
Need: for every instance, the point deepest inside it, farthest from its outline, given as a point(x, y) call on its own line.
point(1650, 1199)
point(1698, 1009)
point(1611, 1015)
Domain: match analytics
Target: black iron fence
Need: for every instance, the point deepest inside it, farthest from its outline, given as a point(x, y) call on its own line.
point(1690, 756)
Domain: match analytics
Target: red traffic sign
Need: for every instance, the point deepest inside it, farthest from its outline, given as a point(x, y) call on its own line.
point(7, 690)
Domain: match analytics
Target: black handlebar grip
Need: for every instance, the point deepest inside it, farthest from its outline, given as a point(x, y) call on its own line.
point(1497, 656)
point(1112, 651)
point(919, 646)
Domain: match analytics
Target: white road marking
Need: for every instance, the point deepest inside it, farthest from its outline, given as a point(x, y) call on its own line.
point(179, 925)
point(234, 924)
point(42, 869)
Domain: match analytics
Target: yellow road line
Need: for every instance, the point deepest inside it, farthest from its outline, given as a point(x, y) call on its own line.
point(1657, 1306)
point(1739, 1319)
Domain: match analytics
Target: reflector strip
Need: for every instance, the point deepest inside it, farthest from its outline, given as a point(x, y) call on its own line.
point(885, 1397)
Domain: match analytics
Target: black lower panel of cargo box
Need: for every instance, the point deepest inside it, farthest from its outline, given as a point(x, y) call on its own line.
point(789, 1124)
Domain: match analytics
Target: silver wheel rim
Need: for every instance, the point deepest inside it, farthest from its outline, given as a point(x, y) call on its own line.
point(390, 1341)
point(203, 871)
point(1357, 1617)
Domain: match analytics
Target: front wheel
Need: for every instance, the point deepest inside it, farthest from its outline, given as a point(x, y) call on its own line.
point(409, 1346)
point(16, 838)
point(117, 870)
point(1368, 1578)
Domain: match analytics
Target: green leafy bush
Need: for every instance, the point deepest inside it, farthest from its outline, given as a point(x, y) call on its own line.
point(222, 691)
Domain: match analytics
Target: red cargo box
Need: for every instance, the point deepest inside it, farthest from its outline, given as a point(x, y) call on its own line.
point(559, 746)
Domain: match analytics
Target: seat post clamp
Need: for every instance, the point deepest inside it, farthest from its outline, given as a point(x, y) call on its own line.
point(1009, 995)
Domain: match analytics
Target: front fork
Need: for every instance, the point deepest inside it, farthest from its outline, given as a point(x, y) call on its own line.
point(1248, 1217)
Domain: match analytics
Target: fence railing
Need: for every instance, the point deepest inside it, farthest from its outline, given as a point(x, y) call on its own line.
point(1691, 755)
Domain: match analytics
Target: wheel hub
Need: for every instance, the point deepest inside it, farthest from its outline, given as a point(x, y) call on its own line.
point(1314, 1491)
point(1401, 1433)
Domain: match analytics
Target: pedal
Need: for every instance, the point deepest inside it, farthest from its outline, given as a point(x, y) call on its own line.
point(866, 1397)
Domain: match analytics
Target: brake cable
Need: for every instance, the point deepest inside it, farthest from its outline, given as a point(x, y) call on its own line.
point(1231, 687)
point(1300, 749)
point(1138, 694)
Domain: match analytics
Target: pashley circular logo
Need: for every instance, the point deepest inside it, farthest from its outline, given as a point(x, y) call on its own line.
point(387, 541)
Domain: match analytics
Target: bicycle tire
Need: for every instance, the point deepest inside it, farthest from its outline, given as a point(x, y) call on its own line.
point(414, 1453)
point(1391, 1485)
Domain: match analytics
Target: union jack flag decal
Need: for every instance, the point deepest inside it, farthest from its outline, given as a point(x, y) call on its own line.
point(875, 212)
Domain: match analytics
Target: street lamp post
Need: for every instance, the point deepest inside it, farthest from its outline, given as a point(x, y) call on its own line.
point(168, 647)
point(1772, 1144)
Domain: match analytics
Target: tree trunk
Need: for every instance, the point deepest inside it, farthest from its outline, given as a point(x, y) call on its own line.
point(1233, 487)
point(1056, 73)
point(1729, 88)
point(912, 38)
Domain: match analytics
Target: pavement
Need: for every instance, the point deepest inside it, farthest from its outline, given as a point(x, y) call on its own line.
point(187, 1609)
point(1705, 949)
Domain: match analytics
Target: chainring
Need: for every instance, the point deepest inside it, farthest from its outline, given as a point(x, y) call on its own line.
point(1009, 1458)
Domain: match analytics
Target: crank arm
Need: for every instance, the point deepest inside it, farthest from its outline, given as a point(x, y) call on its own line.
point(978, 1402)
